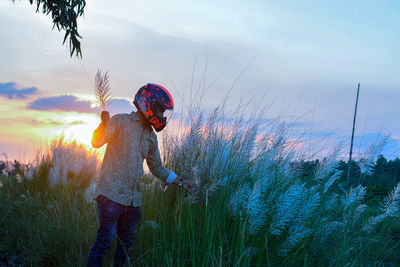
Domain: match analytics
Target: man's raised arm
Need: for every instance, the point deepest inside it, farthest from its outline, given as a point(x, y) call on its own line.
point(99, 138)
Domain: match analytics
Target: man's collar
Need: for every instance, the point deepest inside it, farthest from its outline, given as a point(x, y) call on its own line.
point(137, 118)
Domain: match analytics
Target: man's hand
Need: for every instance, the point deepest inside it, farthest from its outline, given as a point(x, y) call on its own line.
point(105, 117)
point(98, 135)
point(187, 185)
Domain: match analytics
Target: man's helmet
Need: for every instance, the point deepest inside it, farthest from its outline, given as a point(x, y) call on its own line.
point(155, 103)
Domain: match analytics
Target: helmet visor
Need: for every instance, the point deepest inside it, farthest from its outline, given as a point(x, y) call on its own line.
point(158, 115)
point(161, 112)
point(167, 115)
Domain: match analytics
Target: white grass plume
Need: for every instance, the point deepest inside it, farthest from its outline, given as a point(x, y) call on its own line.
point(286, 209)
point(328, 164)
point(391, 202)
point(71, 160)
point(331, 180)
point(367, 161)
point(296, 235)
point(256, 209)
point(390, 208)
point(102, 89)
point(354, 196)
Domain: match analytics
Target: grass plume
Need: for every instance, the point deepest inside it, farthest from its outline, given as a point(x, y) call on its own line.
point(102, 89)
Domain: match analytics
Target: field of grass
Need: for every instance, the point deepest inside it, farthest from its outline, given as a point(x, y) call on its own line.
point(251, 208)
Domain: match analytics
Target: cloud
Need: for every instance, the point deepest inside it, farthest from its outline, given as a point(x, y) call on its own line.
point(77, 123)
point(45, 122)
point(71, 103)
point(51, 122)
point(61, 103)
point(10, 91)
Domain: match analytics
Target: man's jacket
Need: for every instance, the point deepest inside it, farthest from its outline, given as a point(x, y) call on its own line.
point(128, 144)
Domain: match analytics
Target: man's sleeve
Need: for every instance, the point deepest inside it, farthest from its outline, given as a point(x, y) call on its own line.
point(103, 134)
point(155, 165)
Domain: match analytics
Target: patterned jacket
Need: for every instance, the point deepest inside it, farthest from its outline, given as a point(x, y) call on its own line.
point(128, 145)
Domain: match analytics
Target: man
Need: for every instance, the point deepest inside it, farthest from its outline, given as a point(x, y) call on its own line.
point(130, 140)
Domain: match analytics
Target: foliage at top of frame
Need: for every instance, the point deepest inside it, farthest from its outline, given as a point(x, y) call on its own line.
point(64, 14)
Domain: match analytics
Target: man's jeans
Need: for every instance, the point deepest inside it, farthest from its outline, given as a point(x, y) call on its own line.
point(114, 219)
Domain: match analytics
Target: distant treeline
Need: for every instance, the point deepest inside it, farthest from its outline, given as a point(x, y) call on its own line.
point(383, 176)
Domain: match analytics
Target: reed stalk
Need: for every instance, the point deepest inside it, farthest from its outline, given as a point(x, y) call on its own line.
point(102, 89)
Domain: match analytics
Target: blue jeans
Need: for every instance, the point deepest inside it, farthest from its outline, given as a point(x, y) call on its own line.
point(114, 219)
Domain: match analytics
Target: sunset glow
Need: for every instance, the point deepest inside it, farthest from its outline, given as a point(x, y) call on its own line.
point(79, 127)
point(29, 129)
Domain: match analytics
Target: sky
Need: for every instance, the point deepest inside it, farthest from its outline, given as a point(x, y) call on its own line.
point(301, 59)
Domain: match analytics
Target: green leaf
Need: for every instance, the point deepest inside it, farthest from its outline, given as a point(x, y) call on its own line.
point(66, 35)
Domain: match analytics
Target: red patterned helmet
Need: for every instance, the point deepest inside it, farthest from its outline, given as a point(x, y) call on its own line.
point(155, 103)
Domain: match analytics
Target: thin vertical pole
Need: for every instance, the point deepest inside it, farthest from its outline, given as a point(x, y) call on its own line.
point(352, 138)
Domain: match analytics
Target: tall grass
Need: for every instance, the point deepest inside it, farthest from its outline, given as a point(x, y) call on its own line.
point(251, 207)
point(260, 210)
point(44, 219)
